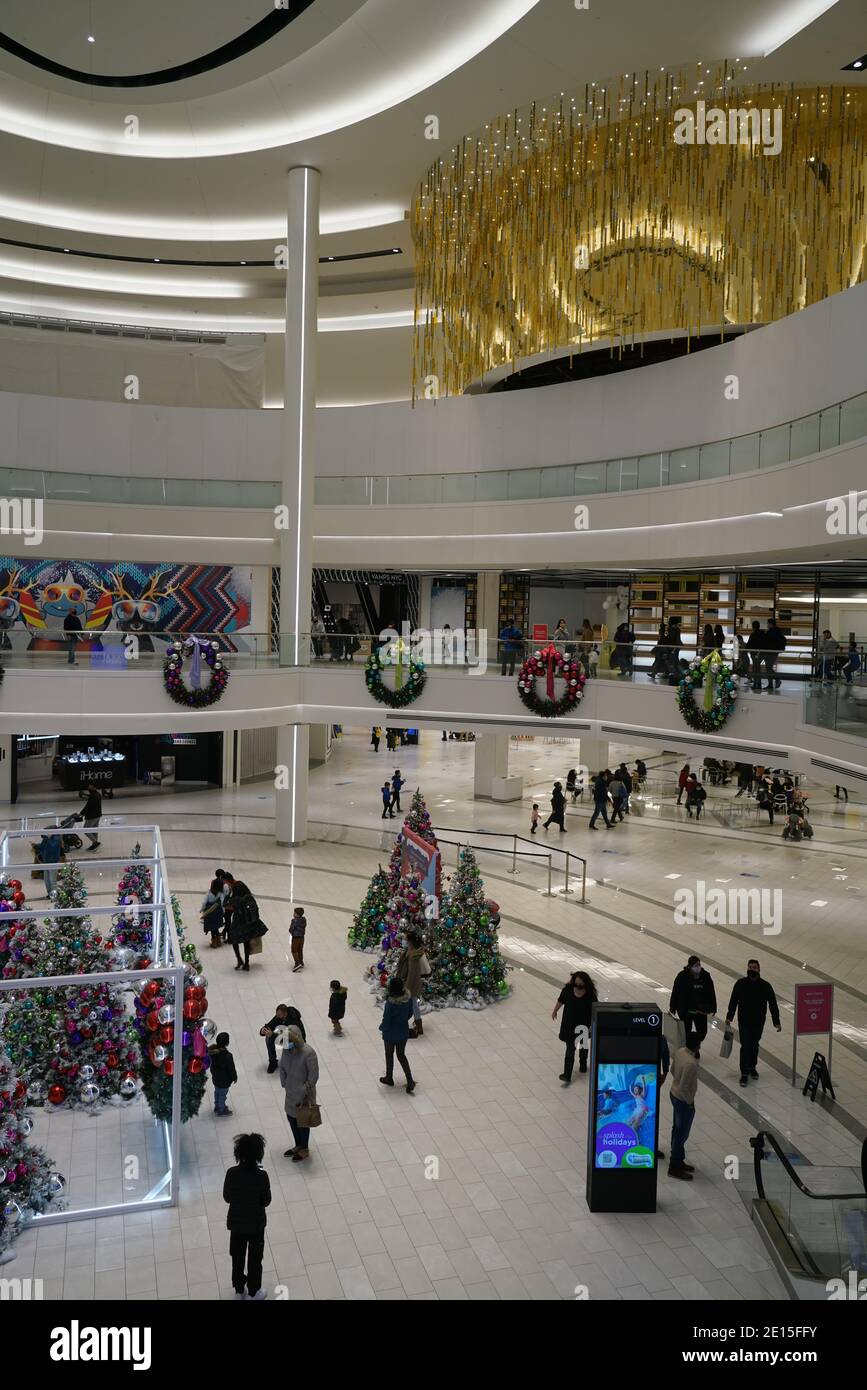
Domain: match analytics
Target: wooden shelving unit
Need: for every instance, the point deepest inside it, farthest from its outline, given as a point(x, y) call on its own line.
point(514, 604)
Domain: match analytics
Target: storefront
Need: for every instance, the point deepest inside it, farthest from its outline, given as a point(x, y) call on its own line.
point(71, 762)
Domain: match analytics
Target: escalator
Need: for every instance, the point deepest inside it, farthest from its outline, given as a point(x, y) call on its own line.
point(816, 1232)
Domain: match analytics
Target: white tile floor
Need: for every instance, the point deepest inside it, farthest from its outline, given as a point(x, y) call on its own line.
point(505, 1217)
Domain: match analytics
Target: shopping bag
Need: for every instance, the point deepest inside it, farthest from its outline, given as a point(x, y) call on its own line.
point(725, 1047)
point(255, 945)
point(674, 1030)
point(308, 1116)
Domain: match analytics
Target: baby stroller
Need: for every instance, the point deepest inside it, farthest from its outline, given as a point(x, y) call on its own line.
point(797, 826)
point(70, 842)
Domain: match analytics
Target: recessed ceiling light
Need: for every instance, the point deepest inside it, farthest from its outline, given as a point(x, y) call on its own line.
point(856, 65)
point(91, 39)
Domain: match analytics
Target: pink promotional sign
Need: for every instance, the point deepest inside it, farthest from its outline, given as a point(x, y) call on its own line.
point(814, 1008)
point(540, 632)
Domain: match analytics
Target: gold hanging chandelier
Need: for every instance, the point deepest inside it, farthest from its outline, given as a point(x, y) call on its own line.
point(679, 201)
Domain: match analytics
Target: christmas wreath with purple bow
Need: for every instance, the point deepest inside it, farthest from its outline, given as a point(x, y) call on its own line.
point(194, 696)
point(551, 663)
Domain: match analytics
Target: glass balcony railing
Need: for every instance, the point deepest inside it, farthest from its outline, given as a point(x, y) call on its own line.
point(818, 1214)
point(725, 458)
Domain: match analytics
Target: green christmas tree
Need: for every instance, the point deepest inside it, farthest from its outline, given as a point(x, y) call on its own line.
point(133, 928)
point(368, 925)
point(156, 1020)
point(418, 819)
point(467, 968)
point(29, 1182)
point(74, 1045)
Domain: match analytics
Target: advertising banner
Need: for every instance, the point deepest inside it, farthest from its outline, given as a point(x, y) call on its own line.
point(419, 857)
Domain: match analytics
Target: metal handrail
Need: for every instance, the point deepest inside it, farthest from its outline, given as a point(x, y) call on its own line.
point(547, 852)
point(758, 1144)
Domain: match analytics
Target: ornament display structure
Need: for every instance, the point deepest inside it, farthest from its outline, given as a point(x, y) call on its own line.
point(167, 965)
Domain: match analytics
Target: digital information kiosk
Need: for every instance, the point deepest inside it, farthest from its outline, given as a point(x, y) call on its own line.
point(623, 1111)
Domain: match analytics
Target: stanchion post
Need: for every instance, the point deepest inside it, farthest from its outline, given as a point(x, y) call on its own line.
point(567, 889)
point(514, 854)
point(583, 880)
point(549, 894)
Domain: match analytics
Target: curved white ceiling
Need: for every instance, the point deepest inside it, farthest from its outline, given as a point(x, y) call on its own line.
point(383, 55)
point(82, 219)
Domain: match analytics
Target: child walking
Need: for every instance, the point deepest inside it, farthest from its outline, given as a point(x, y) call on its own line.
point(386, 800)
point(337, 1005)
point(534, 818)
point(223, 1073)
point(248, 1192)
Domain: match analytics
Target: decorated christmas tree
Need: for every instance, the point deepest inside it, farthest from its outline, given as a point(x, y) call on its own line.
point(418, 820)
point(11, 897)
point(156, 1020)
point(74, 1045)
point(394, 862)
point(405, 910)
point(467, 968)
point(368, 925)
point(29, 1182)
point(133, 928)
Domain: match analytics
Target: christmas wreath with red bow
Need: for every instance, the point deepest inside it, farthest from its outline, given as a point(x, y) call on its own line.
point(552, 664)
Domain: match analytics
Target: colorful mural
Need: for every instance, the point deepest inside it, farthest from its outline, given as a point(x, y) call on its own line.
point(126, 597)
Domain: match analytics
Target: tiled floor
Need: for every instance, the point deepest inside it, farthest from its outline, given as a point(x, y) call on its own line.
point(473, 1188)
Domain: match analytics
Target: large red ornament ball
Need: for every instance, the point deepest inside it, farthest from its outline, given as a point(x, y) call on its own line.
point(167, 1034)
point(191, 1010)
point(152, 1022)
point(56, 1095)
point(149, 993)
point(169, 1067)
point(195, 1065)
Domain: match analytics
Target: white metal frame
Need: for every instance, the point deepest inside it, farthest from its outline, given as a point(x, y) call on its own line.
point(167, 965)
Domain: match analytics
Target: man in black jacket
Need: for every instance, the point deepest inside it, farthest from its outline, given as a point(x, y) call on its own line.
point(92, 813)
point(775, 644)
point(751, 998)
point(247, 1191)
point(693, 1000)
point(284, 1015)
point(756, 643)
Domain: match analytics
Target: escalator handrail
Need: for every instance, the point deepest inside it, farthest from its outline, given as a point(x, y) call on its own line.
point(764, 1136)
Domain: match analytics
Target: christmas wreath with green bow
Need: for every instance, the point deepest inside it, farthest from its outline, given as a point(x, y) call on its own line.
point(404, 663)
point(720, 693)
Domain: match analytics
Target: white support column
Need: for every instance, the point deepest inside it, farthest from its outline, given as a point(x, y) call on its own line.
point(491, 780)
point(290, 795)
point(299, 411)
point(229, 774)
point(593, 753)
point(320, 743)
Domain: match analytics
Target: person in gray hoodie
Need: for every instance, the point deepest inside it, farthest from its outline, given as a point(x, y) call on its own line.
point(299, 1073)
point(828, 649)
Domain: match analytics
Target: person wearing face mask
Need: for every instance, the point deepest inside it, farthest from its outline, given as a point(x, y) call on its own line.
point(751, 998)
point(299, 1073)
point(576, 999)
point(693, 1001)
